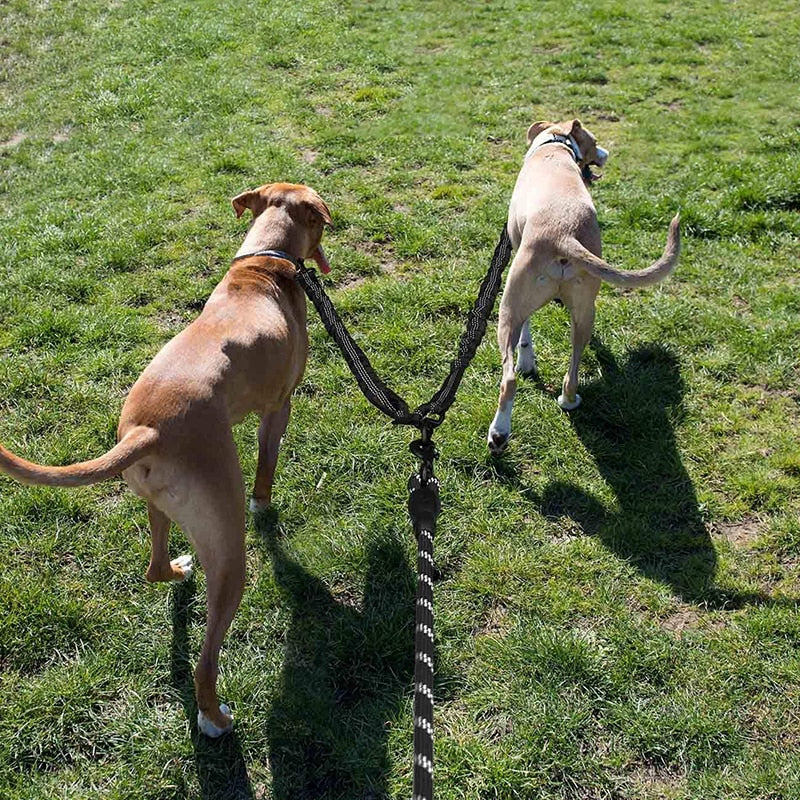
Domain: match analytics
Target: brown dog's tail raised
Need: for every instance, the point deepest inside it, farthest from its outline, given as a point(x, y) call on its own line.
point(136, 444)
point(579, 256)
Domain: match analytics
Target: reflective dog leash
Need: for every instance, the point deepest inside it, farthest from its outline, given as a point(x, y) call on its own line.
point(423, 501)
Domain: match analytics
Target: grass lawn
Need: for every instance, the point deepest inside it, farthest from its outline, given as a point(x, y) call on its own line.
point(618, 614)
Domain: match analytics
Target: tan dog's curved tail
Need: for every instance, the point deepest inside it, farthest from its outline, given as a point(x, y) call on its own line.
point(136, 444)
point(579, 256)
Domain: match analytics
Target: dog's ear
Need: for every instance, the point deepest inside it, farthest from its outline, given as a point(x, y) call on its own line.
point(316, 207)
point(245, 200)
point(575, 127)
point(536, 129)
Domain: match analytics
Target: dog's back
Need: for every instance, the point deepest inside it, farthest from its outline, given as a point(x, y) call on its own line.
point(550, 202)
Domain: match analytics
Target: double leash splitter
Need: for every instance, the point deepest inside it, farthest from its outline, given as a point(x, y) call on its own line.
point(423, 487)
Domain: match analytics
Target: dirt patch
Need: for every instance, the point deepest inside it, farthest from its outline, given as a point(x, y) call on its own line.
point(769, 391)
point(740, 534)
point(565, 530)
point(495, 622)
point(171, 321)
point(15, 139)
point(548, 49)
point(351, 281)
point(657, 782)
point(382, 252)
point(308, 155)
point(389, 267)
point(681, 621)
point(347, 596)
point(59, 137)
point(740, 302)
point(686, 619)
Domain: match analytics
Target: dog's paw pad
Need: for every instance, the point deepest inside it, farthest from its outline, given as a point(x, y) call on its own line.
point(185, 564)
point(569, 405)
point(211, 730)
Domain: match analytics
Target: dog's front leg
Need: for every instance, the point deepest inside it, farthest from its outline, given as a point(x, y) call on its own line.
point(161, 568)
point(270, 431)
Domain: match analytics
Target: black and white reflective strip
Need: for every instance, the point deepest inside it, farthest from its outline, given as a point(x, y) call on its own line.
point(423, 670)
point(373, 387)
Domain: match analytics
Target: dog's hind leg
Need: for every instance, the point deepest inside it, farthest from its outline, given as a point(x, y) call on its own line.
point(215, 524)
point(526, 356)
point(161, 568)
point(581, 307)
point(522, 296)
point(270, 431)
point(225, 574)
point(206, 501)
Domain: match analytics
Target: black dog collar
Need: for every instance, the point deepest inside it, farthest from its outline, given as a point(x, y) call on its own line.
point(298, 262)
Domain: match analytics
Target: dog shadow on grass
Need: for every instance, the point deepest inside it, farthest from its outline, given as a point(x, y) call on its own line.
point(221, 767)
point(347, 670)
point(628, 425)
point(627, 422)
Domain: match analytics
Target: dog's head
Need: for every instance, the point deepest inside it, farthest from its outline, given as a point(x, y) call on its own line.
point(591, 154)
point(293, 207)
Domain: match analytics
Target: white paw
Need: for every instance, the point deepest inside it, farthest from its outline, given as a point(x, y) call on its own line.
point(185, 564)
point(211, 730)
point(258, 506)
point(526, 362)
point(497, 442)
point(500, 429)
point(567, 404)
point(497, 439)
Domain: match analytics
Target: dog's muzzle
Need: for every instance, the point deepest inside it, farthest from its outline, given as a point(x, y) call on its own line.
point(601, 156)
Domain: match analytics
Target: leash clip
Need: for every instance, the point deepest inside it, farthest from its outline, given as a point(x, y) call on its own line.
point(425, 450)
point(423, 487)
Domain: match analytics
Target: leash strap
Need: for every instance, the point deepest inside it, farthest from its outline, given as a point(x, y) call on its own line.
point(423, 501)
point(475, 330)
point(375, 389)
point(423, 508)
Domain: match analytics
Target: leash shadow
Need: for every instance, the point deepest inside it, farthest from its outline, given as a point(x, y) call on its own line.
point(347, 671)
point(220, 763)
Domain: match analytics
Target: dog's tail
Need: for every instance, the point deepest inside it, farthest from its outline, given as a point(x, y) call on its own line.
point(136, 444)
point(579, 256)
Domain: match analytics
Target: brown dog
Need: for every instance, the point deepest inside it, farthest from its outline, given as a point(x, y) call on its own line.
point(246, 352)
point(553, 227)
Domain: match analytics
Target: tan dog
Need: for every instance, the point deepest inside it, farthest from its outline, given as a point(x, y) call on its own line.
point(246, 352)
point(553, 227)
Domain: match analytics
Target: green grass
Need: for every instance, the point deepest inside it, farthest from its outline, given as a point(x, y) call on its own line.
point(618, 610)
